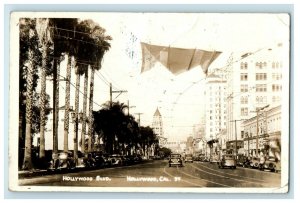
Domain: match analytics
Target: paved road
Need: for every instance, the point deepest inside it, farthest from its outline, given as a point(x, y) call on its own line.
point(159, 174)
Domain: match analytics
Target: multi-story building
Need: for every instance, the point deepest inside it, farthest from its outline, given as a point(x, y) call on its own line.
point(157, 126)
point(254, 81)
point(267, 124)
point(215, 105)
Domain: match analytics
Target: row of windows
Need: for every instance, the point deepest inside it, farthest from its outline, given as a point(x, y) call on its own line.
point(261, 88)
point(261, 76)
point(260, 65)
point(276, 88)
point(216, 117)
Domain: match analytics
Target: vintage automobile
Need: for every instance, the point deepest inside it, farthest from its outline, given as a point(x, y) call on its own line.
point(227, 160)
point(116, 160)
point(243, 161)
point(65, 160)
point(175, 159)
point(269, 164)
point(188, 158)
point(254, 162)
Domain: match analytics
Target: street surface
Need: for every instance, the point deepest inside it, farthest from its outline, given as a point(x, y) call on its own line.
point(157, 173)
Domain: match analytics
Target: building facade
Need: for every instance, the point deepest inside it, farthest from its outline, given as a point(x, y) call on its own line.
point(267, 125)
point(215, 105)
point(157, 125)
point(254, 81)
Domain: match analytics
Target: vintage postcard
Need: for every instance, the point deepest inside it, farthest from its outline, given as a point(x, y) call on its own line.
point(149, 102)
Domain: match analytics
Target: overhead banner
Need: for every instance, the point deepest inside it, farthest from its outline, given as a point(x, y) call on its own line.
point(177, 60)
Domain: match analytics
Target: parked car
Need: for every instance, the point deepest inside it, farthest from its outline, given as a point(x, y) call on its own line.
point(269, 164)
point(188, 158)
point(254, 162)
point(98, 159)
point(243, 161)
point(65, 160)
point(227, 160)
point(116, 160)
point(175, 159)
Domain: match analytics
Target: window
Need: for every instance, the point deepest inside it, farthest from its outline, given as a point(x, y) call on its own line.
point(261, 76)
point(276, 76)
point(276, 99)
point(244, 88)
point(244, 100)
point(261, 65)
point(244, 111)
point(244, 66)
point(261, 88)
point(244, 76)
point(276, 88)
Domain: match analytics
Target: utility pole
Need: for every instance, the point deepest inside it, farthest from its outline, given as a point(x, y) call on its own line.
point(111, 92)
point(139, 119)
point(235, 135)
point(257, 129)
point(129, 107)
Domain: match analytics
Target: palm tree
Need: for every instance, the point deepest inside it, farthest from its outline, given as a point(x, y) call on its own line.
point(28, 58)
point(109, 121)
point(42, 28)
point(98, 42)
point(60, 36)
point(63, 44)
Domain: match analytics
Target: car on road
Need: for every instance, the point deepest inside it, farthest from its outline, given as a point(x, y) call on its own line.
point(188, 158)
point(254, 162)
point(269, 164)
point(65, 160)
point(243, 161)
point(227, 160)
point(175, 159)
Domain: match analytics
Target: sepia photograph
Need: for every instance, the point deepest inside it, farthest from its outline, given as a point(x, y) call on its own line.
point(149, 102)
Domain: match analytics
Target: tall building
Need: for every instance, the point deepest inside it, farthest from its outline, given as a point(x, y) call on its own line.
point(215, 109)
point(157, 126)
point(254, 81)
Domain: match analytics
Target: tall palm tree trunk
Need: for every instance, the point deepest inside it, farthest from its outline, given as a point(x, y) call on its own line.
point(83, 130)
point(56, 75)
point(27, 163)
point(67, 104)
point(43, 38)
point(43, 102)
point(90, 132)
point(76, 113)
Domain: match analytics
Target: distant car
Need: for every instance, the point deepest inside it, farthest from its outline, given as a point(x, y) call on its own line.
point(254, 162)
point(269, 164)
point(227, 160)
point(175, 159)
point(188, 158)
point(214, 159)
